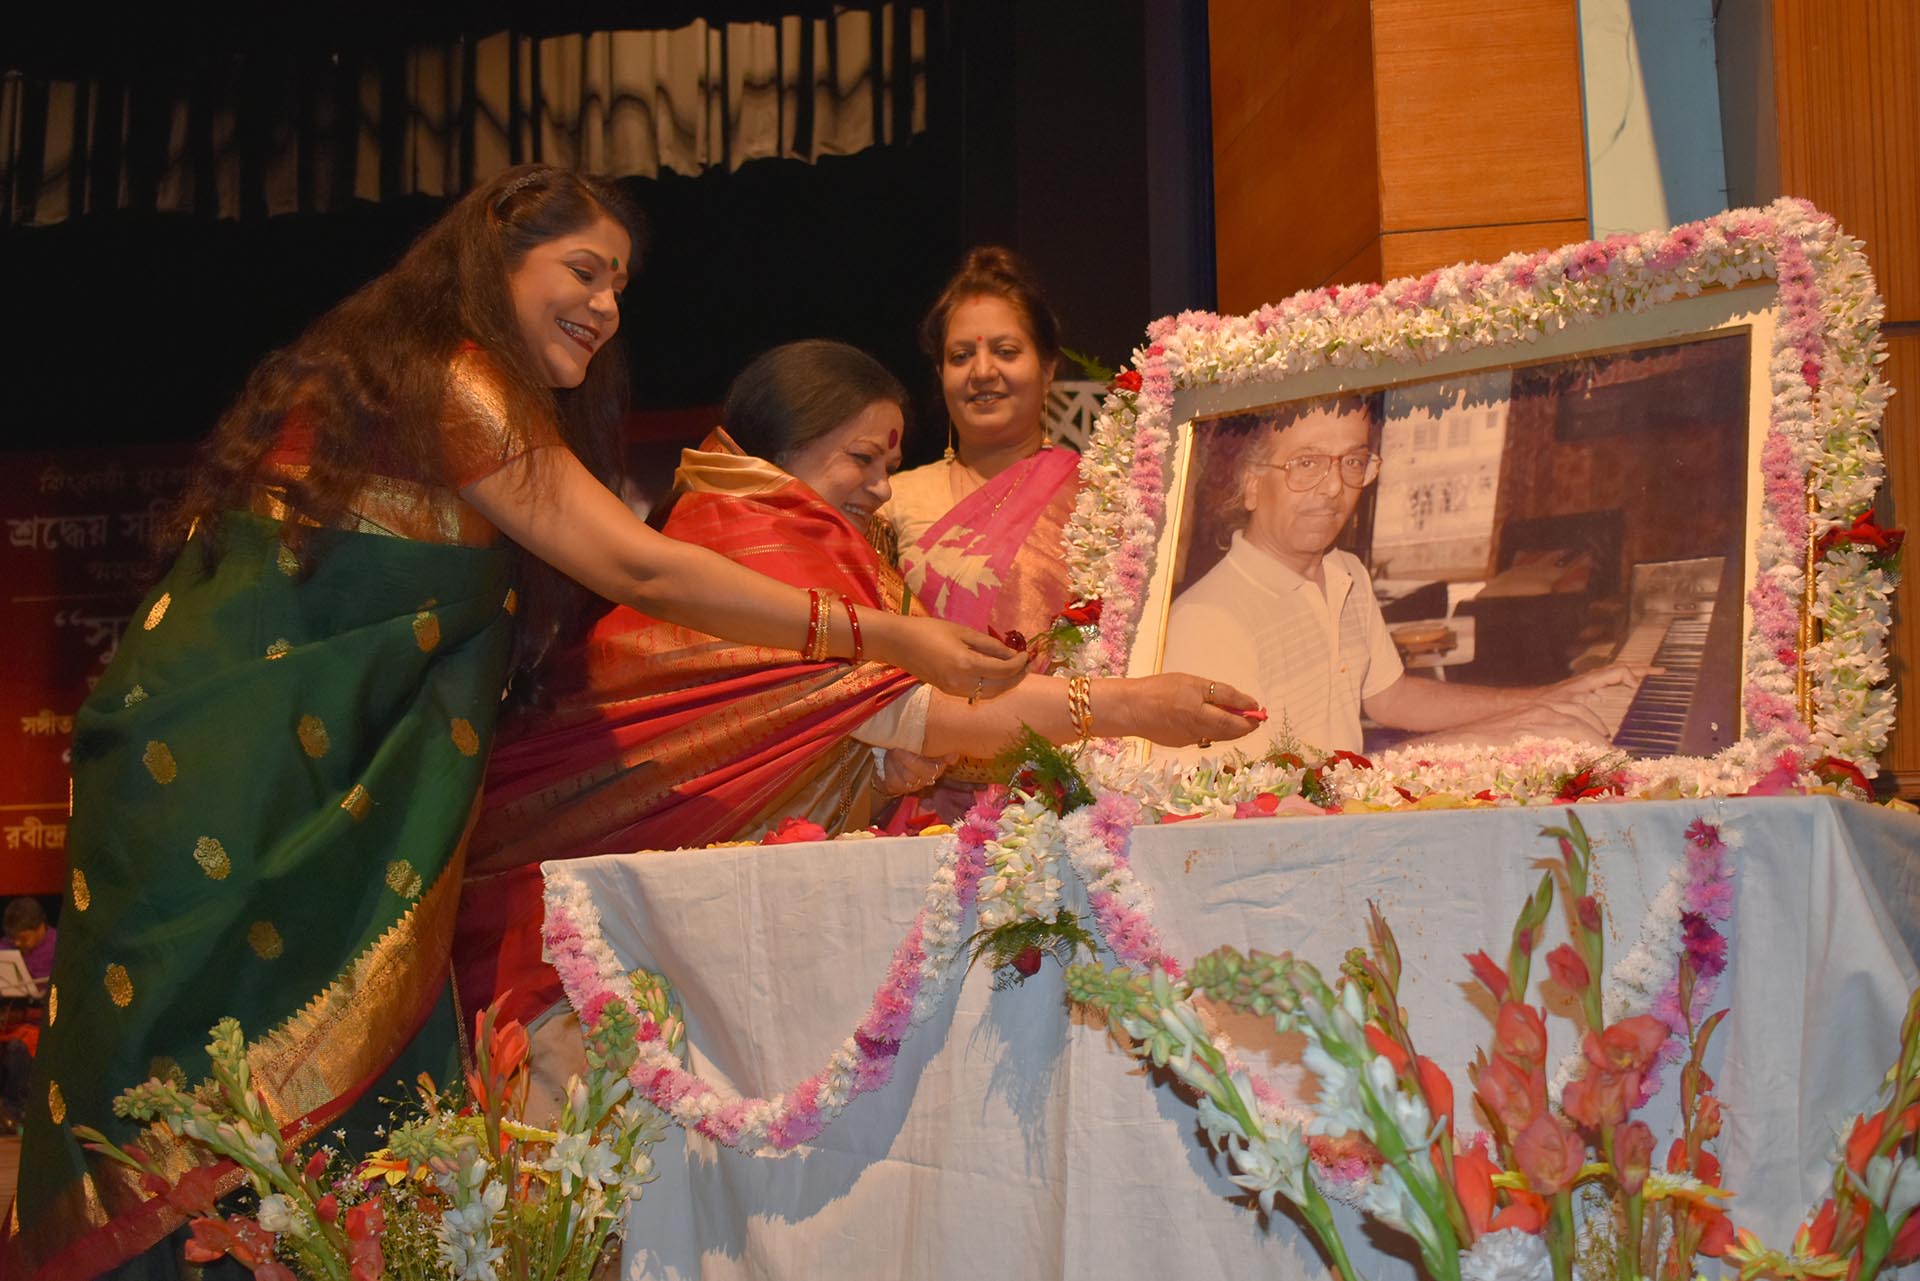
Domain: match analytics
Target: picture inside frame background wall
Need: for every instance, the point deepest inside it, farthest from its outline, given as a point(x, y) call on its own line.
point(1533, 521)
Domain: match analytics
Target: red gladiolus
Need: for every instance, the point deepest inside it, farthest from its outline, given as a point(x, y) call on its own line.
point(1437, 1087)
point(365, 1222)
point(316, 1165)
point(1549, 1154)
point(1626, 1046)
point(1512, 1095)
point(1906, 1242)
point(1473, 1181)
point(195, 1191)
point(1520, 1034)
point(1489, 974)
point(1861, 1143)
point(1587, 911)
point(250, 1244)
point(1388, 1048)
point(1600, 1099)
point(1716, 1230)
point(1632, 1156)
point(327, 1208)
point(1525, 1210)
point(1817, 1236)
point(1568, 970)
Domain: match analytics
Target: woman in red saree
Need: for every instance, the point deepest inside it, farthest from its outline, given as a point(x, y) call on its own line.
point(654, 736)
point(979, 530)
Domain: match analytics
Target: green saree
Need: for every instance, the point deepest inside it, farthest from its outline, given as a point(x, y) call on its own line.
point(273, 783)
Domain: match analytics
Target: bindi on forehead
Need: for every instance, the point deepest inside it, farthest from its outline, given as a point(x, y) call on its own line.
point(893, 438)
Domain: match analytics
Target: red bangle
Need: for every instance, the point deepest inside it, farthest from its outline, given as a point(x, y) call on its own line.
point(853, 621)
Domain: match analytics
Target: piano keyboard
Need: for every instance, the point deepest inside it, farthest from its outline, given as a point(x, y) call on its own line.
point(1669, 632)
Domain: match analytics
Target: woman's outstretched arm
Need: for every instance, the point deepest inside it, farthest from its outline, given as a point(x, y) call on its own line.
point(1173, 709)
point(551, 505)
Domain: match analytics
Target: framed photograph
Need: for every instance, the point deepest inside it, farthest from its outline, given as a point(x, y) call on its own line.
point(1651, 454)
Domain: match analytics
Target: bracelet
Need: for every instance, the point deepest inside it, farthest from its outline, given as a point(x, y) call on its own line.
point(1080, 705)
point(817, 620)
point(853, 621)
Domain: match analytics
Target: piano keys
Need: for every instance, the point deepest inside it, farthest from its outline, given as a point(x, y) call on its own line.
point(1684, 619)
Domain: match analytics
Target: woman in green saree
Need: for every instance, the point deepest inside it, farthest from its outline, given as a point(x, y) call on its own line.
point(274, 781)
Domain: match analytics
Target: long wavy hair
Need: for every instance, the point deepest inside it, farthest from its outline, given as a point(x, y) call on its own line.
point(370, 377)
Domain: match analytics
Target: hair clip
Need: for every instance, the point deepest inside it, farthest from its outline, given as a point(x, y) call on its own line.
point(518, 185)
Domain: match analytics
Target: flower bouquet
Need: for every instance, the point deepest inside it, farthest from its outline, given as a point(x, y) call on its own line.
point(464, 1189)
point(1546, 1191)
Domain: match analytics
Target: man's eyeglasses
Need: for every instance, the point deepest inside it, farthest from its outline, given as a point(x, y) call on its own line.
point(1309, 471)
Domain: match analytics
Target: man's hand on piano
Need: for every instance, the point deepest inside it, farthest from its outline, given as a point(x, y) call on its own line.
point(1587, 685)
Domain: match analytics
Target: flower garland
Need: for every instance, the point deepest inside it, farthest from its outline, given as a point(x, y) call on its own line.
point(1679, 922)
point(1822, 437)
point(916, 982)
point(1007, 845)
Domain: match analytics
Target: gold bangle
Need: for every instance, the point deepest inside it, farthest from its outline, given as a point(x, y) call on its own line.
point(1080, 705)
point(817, 618)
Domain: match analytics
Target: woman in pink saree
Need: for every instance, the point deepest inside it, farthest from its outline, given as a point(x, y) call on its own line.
point(979, 530)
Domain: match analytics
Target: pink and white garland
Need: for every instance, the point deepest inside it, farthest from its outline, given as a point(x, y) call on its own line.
point(1682, 921)
point(1095, 841)
point(1828, 398)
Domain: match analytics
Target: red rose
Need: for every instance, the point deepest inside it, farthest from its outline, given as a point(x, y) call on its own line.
point(1082, 615)
point(1027, 961)
point(792, 831)
point(1127, 380)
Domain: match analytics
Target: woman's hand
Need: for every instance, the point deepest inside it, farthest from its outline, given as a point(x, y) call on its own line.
point(902, 771)
point(1178, 710)
point(953, 659)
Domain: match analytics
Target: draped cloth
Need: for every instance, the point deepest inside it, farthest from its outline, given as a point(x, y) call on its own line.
point(273, 783)
point(993, 559)
point(659, 737)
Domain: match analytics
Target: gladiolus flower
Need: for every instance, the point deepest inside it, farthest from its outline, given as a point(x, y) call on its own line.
point(1628, 1045)
point(1600, 1099)
point(1568, 970)
point(1587, 911)
point(1491, 975)
point(1864, 1139)
point(1520, 1034)
point(1388, 1048)
point(1549, 1154)
point(1632, 1156)
point(1438, 1089)
point(317, 1164)
point(1512, 1095)
point(1817, 1236)
point(327, 1208)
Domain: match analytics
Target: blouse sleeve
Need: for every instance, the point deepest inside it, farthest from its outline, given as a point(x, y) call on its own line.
point(479, 433)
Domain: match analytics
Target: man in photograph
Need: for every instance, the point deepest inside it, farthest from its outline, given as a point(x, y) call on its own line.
point(1288, 617)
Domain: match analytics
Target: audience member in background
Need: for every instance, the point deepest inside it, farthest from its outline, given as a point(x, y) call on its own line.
point(979, 530)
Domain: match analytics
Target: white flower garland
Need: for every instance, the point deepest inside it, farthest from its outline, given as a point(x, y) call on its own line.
point(1828, 398)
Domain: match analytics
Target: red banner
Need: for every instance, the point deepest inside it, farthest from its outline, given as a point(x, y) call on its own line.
point(75, 563)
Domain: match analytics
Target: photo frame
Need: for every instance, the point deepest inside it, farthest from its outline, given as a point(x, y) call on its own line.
point(1763, 321)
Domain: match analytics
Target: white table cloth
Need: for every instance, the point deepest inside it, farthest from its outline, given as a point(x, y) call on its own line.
point(1018, 1140)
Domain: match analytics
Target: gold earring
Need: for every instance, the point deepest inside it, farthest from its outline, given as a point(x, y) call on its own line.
point(950, 454)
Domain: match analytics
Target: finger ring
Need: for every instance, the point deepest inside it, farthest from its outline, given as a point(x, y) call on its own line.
point(975, 696)
point(1209, 697)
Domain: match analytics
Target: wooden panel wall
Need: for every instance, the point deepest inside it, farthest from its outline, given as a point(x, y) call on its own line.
point(1847, 106)
point(1346, 150)
point(1482, 142)
point(1295, 161)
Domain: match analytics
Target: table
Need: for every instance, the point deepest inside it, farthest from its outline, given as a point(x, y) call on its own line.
point(1016, 1139)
